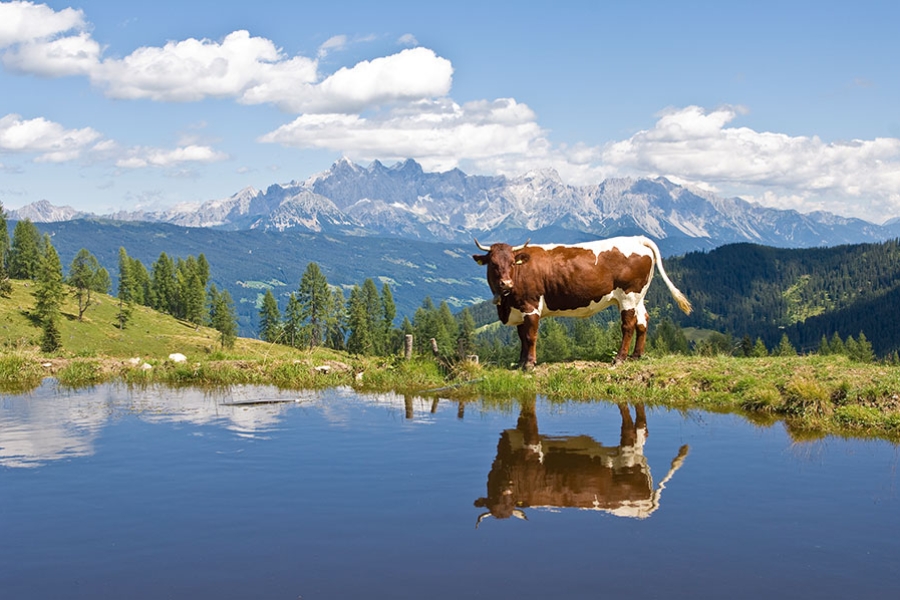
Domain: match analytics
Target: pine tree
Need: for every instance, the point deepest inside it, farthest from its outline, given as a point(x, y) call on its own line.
point(467, 332)
point(315, 300)
point(293, 322)
point(25, 251)
point(864, 352)
point(785, 348)
point(374, 317)
point(359, 324)
point(824, 348)
point(222, 317)
point(125, 292)
point(390, 313)
point(336, 325)
point(837, 345)
point(5, 283)
point(86, 277)
point(49, 293)
point(163, 286)
point(759, 349)
point(269, 319)
point(141, 278)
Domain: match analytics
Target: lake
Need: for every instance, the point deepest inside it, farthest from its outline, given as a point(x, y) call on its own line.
point(255, 492)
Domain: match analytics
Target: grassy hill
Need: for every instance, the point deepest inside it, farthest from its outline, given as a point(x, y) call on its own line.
point(149, 335)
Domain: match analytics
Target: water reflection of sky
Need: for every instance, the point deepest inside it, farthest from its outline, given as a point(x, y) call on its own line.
point(193, 494)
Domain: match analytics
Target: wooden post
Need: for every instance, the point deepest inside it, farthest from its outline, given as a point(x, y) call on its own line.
point(408, 346)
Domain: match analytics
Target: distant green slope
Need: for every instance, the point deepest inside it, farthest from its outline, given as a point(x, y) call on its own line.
point(150, 335)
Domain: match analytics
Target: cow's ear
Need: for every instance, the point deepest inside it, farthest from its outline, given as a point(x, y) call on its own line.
point(481, 259)
point(522, 258)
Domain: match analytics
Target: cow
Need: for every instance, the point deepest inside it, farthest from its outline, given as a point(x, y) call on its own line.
point(579, 280)
point(532, 470)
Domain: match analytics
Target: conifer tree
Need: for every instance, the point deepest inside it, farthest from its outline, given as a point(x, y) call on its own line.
point(49, 293)
point(359, 323)
point(5, 284)
point(337, 321)
point(315, 300)
point(390, 313)
point(466, 332)
point(25, 251)
point(222, 317)
point(785, 348)
point(293, 322)
point(269, 319)
point(162, 285)
point(141, 278)
point(125, 293)
point(759, 349)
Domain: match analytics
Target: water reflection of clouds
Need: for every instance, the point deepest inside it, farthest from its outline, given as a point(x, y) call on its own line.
point(42, 427)
point(52, 424)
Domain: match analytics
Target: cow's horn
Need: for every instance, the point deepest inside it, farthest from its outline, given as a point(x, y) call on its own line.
point(522, 247)
point(481, 517)
point(481, 247)
point(519, 514)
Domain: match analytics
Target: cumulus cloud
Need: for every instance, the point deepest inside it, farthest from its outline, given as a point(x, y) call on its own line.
point(38, 40)
point(26, 21)
point(698, 145)
point(50, 141)
point(438, 133)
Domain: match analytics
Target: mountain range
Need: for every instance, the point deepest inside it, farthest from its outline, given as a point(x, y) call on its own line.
point(404, 201)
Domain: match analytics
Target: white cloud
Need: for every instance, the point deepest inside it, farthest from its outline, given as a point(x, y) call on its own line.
point(250, 69)
point(337, 42)
point(26, 21)
point(155, 157)
point(409, 75)
point(697, 145)
point(408, 39)
point(51, 141)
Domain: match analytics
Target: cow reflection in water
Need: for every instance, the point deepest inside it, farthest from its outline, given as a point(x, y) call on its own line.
point(534, 470)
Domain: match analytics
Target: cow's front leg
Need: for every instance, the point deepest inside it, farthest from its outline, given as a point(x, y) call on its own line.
point(629, 320)
point(528, 332)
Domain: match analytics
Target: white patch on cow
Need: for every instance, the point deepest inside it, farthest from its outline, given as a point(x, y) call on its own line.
point(625, 245)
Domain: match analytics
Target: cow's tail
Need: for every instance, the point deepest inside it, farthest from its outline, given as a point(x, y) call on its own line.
point(683, 303)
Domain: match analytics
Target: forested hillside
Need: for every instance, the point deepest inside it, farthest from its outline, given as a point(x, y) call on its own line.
point(758, 291)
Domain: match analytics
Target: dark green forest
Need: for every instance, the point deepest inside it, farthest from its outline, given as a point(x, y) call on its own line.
point(758, 291)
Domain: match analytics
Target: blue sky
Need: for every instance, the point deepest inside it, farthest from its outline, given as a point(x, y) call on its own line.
point(110, 106)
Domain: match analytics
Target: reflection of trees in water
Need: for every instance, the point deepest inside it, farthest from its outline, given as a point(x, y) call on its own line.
point(535, 470)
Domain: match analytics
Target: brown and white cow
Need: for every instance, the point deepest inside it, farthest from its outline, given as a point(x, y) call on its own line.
point(579, 280)
point(533, 470)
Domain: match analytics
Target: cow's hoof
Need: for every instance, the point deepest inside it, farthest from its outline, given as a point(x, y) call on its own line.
point(634, 357)
point(527, 367)
point(617, 361)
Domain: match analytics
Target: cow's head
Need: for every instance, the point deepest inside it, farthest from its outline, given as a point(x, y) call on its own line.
point(501, 260)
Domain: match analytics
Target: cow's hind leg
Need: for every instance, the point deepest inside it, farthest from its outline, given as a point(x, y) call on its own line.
point(629, 321)
point(640, 328)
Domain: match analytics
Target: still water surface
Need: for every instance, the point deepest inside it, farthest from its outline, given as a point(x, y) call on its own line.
point(112, 493)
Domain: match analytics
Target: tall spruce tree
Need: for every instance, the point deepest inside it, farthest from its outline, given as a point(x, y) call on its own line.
point(125, 293)
point(315, 304)
point(293, 322)
point(5, 284)
point(25, 251)
point(49, 293)
point(269, 319)
point(222, 317)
